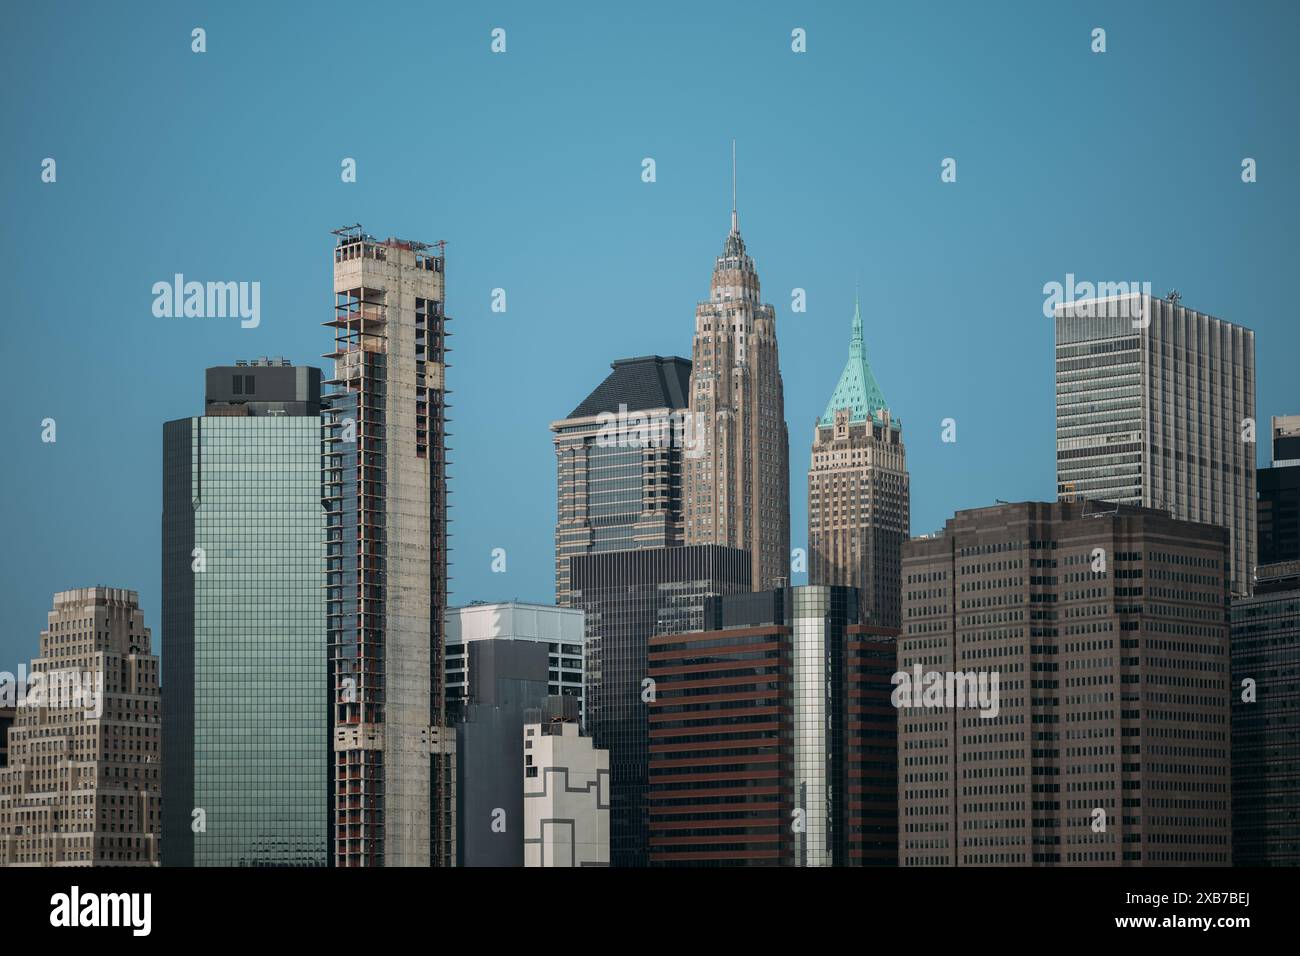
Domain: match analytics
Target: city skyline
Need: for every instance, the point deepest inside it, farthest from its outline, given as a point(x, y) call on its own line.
point(819, 205)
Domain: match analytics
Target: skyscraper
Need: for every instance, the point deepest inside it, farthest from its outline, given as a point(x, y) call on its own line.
point(1155, 406)
point(737, 490)
point(619, 463)
point(1264, 689)
point(559, 629)
point(771, 735)
point(245, 688)
point(627, 597)
point(385, 488)
point(1072, 710)
point(81, 787)
point(1279, 495)
point(858, 493)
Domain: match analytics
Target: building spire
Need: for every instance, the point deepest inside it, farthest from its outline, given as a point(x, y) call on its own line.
point(855, 335)
point(735, 218)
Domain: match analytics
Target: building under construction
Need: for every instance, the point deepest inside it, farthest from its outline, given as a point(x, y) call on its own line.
point(385, 493)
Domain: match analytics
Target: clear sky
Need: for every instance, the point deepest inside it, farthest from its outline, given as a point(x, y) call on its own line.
point(225, 165)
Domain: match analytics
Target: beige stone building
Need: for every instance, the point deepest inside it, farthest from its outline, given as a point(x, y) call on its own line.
point(82, 785)
point(737, 466)
point(859, 498)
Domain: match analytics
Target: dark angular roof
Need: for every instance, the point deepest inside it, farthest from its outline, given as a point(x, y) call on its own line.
point(650, 381)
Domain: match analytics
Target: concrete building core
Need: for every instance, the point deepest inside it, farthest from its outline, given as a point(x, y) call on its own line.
point(386, 525)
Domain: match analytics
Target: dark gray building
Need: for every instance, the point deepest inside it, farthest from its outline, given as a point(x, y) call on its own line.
point(619, 463)
point(245, 695)
point(629, 596)
point(1279, 495)
point(506, 685)
point(1265, 734)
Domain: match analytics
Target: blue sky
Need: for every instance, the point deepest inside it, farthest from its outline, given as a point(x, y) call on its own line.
point(225, 166)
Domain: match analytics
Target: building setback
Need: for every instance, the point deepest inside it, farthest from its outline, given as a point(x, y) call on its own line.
point(81, 787)
point(771, 735)
point(627, 597)
point(1265, 756)
point(559, 629)
point(858, 492)
point(1106, 626)
point(1159, 414)
point(618, 459)
point(566, 792)
point(385, 492)
point(1279, 495)
point(737, 491)
point(245, 690)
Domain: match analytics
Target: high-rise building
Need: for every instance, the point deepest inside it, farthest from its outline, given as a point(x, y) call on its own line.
point(737, 491)
point(1155, 406)
point(858, 493)
point(1264, 690)
point(772, 735)
point(619, 463)
point(82, 787)
point(506, 685)
point(7, 715)
point(385, 492)
point(566, 792)
point(1279, 495)
point(246, 758)
point(1066, 702)
point(559, 629)
point(627, 597)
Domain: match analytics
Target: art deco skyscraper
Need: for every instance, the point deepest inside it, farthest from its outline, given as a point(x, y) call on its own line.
point(858, 496)
point(1155, 406)
point(82, 786)
point(737, 490)
point(385, 490)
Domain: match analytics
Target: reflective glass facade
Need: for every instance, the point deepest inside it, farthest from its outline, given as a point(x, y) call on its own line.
point(246, 717)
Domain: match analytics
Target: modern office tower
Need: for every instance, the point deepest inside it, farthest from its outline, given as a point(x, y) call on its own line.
point(82, 787)
point(628, 596)
point(1065, 702)
point(1279, 495)
point(771, 735)
point(246, 711)
point(1154, 403)
point(1265, 688)
point(566, 791)
point(560, 629)
point(506, 686)
point(858, 494)
point(619, 463)
point(385, 487)
point(737, 489)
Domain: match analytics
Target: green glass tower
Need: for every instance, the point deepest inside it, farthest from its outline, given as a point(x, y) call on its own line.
point(246, 725)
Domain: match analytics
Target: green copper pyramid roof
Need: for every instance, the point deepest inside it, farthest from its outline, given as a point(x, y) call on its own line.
point(857, 389)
